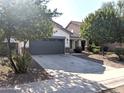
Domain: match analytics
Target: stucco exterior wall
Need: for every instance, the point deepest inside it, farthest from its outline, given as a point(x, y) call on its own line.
point(59, 32)
point(56, 32)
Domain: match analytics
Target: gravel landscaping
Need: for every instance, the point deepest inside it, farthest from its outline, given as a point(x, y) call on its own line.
point(8, 78)
point(109, 59)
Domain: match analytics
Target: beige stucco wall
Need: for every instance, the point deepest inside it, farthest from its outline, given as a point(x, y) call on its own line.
point(59, 32)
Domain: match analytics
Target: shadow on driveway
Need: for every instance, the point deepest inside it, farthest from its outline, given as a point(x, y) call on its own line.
point(67, 83)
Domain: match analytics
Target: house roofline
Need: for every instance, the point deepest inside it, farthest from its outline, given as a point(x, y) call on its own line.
point(61, 27)
point(71, 22)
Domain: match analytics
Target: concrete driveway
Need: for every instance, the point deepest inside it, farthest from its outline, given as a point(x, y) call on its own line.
point(61, 66)
point(69, 63)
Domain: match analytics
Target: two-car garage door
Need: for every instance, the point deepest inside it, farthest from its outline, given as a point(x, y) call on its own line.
point(49, 46)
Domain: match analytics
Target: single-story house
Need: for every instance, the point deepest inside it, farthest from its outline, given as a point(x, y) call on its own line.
point(75, 37)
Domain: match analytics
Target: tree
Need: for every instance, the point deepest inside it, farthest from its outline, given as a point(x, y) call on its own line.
point(120, 15)
point(100, 27)
point(7, 28)
point(86, 26)
point(25, 20)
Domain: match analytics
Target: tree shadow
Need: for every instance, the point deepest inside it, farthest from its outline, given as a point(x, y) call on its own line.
point(65, 83)
point(86, 56)
point(34, 74)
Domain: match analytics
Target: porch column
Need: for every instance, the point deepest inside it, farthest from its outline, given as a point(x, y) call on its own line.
point(79, 43)
point(73, 44)
point(86, 45)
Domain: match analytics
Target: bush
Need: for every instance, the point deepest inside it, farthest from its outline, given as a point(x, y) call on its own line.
point(96, 50)
point(90, 47)
point(93, 48)
point(120, 53)
point(22, 62)
point(78, 50)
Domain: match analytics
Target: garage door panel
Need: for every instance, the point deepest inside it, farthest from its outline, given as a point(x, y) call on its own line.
point(52, 46)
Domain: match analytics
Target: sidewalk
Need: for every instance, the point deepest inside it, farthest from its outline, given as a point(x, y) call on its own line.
point(111, 79)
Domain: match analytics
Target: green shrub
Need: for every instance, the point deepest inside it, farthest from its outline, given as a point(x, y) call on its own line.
point(22, 62)
point(90, 47)
point(78, 50)
point(96, 50)
point(93, 48)
point(93, 45)
point(120, 53)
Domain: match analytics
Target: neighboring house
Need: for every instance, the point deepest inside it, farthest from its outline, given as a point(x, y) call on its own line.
point(75, 39)
point(56, 44)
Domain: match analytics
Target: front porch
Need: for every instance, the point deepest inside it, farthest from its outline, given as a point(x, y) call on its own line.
point(77, 42)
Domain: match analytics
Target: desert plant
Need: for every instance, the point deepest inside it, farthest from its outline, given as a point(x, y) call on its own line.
point(22, 62)
point(120, 53)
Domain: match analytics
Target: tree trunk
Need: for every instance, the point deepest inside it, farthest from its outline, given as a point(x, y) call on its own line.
point(10, 56)
point(24, 47)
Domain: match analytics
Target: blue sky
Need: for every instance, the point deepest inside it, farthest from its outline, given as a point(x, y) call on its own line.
point(75, 10)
